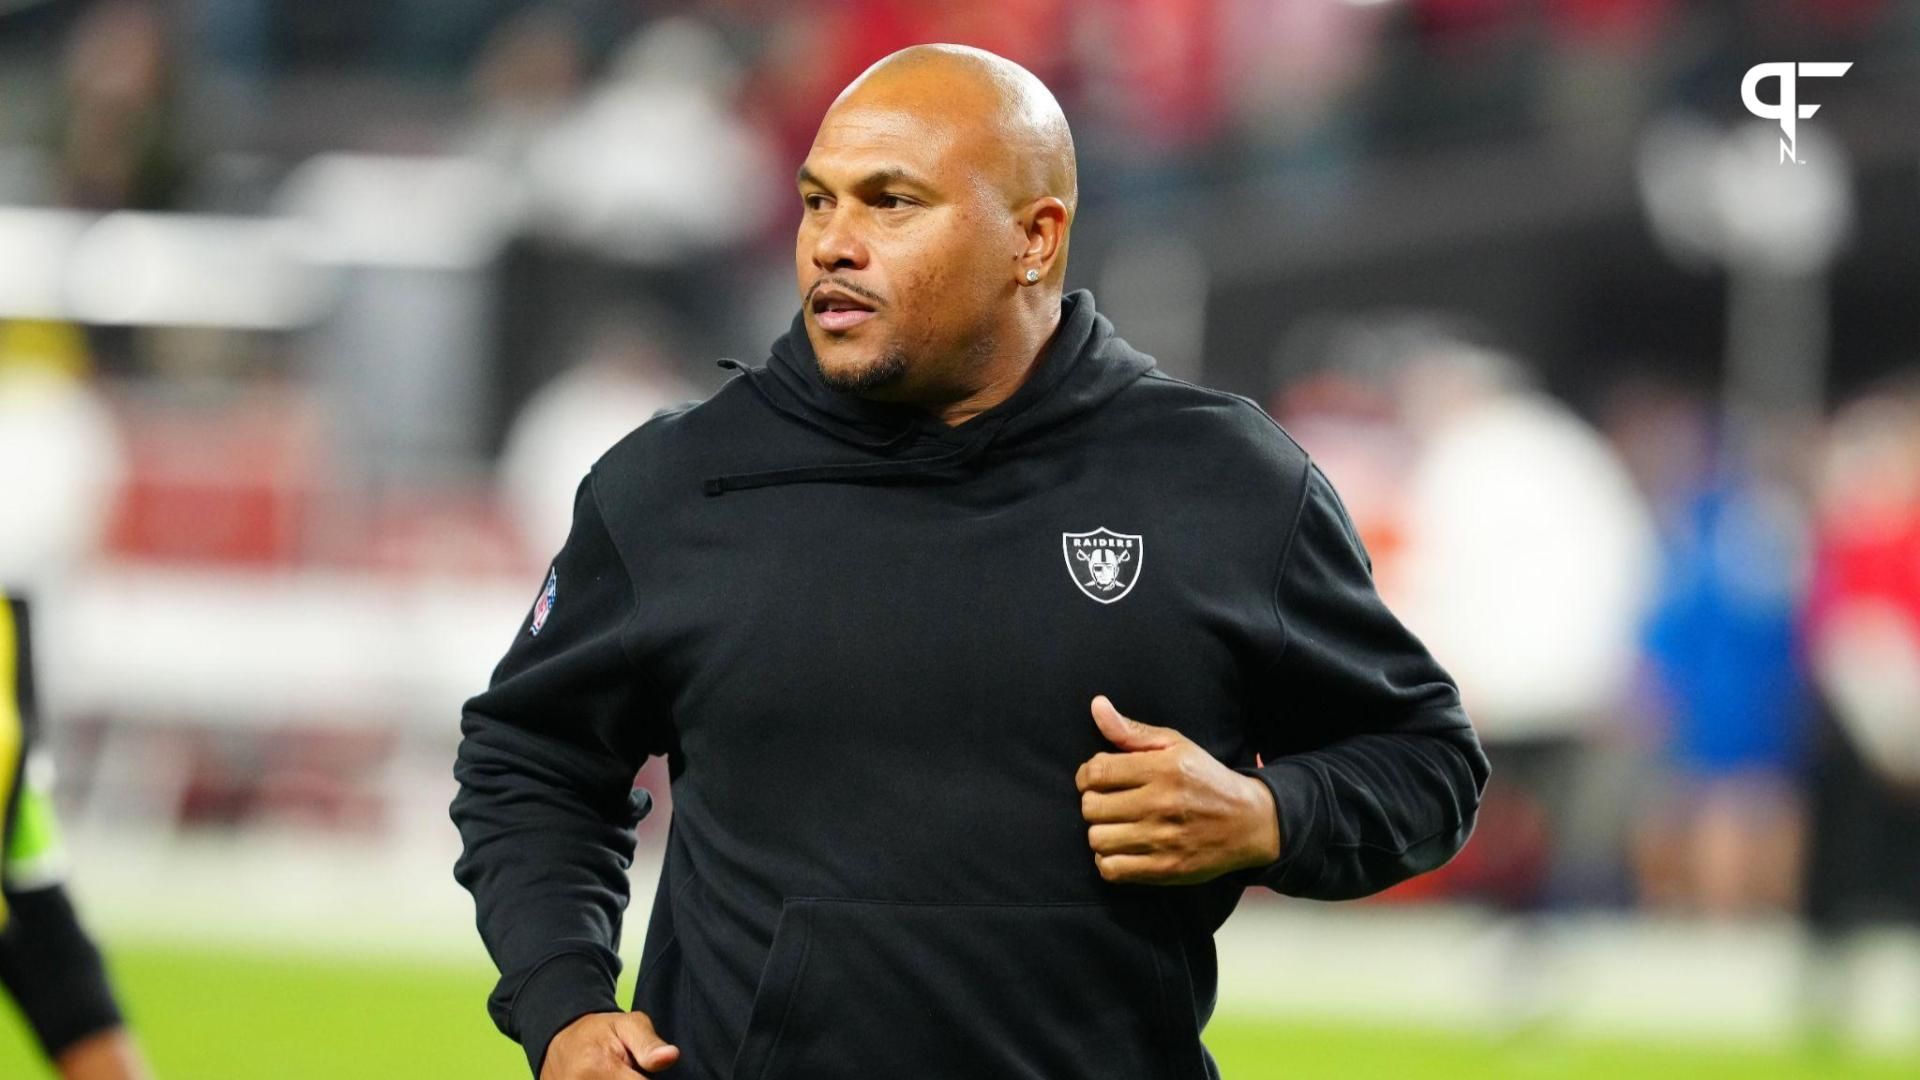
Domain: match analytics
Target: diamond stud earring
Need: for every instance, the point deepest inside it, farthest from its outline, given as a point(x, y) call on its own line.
point(1033, 276)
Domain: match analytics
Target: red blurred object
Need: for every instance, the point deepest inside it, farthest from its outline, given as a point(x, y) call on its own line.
point(820, 47)
point(1866, 557)
point(228, 481)
point(1506, 862)
point(454, 531)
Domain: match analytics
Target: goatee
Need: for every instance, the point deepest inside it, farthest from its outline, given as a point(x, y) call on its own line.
point(888, 369)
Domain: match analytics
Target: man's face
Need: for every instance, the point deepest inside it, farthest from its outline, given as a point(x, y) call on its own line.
point(904, 255)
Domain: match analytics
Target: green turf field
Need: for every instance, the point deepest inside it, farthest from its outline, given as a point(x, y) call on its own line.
point(208, 1016)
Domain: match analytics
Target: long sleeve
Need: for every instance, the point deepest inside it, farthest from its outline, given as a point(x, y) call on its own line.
point(54, 972)
point(1375, 771)
point(546, 805)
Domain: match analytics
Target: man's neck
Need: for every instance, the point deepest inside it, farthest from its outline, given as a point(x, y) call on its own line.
point(1006, 371)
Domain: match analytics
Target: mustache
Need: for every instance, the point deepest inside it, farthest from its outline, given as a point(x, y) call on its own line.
point(864, 294)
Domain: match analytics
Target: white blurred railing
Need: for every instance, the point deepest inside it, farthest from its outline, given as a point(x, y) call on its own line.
point(234, 648)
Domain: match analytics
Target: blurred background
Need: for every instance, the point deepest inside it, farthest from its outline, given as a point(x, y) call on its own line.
point(311, 316)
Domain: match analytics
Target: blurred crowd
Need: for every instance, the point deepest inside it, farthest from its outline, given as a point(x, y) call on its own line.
point(1689, 632)
point(1695, 659)
point(208, 104)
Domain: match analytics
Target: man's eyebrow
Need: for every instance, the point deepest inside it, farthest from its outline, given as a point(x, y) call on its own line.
point(891, 174)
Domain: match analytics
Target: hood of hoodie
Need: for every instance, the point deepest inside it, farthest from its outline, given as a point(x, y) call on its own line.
point(1082, 366)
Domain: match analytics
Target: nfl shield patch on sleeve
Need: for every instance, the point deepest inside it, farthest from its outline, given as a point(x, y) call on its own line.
point(544, 606)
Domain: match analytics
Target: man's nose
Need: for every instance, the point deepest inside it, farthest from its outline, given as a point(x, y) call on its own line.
point(839, 245)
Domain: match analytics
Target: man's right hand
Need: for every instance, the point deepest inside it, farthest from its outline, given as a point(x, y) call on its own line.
point(607, 1046)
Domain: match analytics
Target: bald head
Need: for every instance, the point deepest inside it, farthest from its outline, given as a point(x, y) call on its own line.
point(932, 251)
point(1006, 116)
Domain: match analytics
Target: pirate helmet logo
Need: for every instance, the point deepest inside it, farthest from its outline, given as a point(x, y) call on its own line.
point(1103, 563)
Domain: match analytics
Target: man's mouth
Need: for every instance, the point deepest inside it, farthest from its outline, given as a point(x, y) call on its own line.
point(838, 312)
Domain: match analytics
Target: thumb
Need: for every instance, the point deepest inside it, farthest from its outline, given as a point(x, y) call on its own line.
point(1128, 734)
point(649, 1050)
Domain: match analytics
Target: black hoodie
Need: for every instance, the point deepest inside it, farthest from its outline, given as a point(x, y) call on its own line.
point(866, 644)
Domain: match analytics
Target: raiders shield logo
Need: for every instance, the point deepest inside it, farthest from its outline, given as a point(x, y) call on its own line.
point(1104, 563)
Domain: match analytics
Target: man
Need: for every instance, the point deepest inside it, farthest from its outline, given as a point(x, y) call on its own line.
point(990, 664)
point(48, 964)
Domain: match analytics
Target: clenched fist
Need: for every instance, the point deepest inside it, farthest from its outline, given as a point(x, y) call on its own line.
point(607, 1046)
point(1163, 811)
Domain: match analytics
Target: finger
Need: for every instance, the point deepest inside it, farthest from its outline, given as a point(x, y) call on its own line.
point(1128, 734)
point(663, 1058)
point(1119, 840)
point(649, 1050)
point(1141, 869)
point(1114, 772)
point(1132, 804)
point(612, 1063)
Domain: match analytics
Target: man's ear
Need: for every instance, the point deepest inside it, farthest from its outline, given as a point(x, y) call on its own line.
point(1043, 226)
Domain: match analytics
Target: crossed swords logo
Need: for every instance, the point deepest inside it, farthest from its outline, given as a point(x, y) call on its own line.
point(1104, 572)
point(1104, 565)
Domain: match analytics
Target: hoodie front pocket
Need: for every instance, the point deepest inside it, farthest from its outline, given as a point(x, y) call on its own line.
point(1050, 991)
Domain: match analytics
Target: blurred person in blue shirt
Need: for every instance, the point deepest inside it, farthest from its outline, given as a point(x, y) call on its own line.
point(1725, 675)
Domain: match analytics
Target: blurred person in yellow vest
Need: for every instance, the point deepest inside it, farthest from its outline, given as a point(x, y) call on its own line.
point(49, 964)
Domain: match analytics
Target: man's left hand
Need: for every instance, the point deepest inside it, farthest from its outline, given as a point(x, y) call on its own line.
point(1163, 811)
